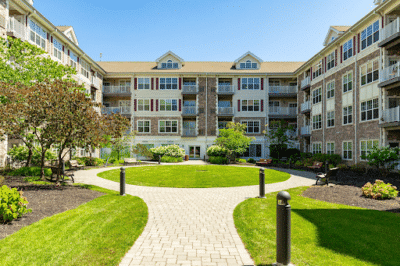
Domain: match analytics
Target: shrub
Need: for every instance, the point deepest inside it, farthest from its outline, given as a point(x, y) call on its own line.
point(218, 160)
point(293, 154)
point(216, 150)
point(171, 150)
point(238, 160)
point(251, 160)
point(30, 171)
point(21, 153)
point(1, 180)
point(342, 166)
point(358, 168)
point(298, 163)
point(112, 160)
point(379, 190)
point(12, 204)
point(121, 161)
point(335, 159)
point(169, 159)
point(305, 155)
point(89, 161)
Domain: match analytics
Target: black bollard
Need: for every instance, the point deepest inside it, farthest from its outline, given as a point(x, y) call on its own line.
point(122, 182)
point(159, 159)
point(283, 228)
point(290, 163)
point(326, 166)
point(262, 184)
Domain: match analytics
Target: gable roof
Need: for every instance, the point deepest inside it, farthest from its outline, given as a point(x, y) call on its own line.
point(63, 28)
point(251, 54)
point(69, 29)
point(169, 53)
point(339, 30)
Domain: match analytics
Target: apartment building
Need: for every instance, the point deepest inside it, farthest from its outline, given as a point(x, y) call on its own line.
point(170, 101)
point(19, 19)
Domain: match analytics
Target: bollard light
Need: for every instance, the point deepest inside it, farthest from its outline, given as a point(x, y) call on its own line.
point(326, 167)
point(262, 183)
point(122, 182)
point(283, 228)
point(159, 159)
point(290, 163)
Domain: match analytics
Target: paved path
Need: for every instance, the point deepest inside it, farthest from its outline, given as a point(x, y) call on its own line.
point(190, 226)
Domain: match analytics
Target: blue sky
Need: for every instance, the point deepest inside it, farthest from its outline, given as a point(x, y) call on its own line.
point(202, 30)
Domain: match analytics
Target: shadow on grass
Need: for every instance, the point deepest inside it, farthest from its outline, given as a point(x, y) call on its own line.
point(367, 235)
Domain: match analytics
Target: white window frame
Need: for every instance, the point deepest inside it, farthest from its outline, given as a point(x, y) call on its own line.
point(141, 125)
point(367, 145)
point(250, 83)
point(347, 150)
point(141, 106)
point(330, 119)
point(370, 35)
point(253, 126)
point(347, 114)
point(330, 148)
point(57, 49)
point(248, 65)
point(369, 72)
point(316, 95)
point(330, 89)
point(168, 124)
point(170, 65)
point(316, 125)
point(330, 61)
point(167, 102)
point(168, 84)
point(245, 104)
point(347, 82)
point(73, 60)
point(348, 49)
point(317, 70)
point(371, 105)
point(316, 147)
point(37, 35)
point(85, 68)
point(144, 83)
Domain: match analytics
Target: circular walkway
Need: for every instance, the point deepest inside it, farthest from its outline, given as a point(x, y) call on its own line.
point(191, 226)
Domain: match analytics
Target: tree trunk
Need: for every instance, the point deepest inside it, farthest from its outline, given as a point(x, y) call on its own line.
point(60, 164)
point(42, 163)
point(28, 161)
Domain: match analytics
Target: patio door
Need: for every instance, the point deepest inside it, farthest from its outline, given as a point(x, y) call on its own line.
point(125, 107)
point(189, 128)
point(194, 152)
point(274, 106)
point(125, 86)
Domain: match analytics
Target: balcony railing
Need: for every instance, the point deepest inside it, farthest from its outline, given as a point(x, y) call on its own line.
point(189, 132)
point(190, 89)
point(189, 110)
point(390, 29)
point(305, 82)
point(305, 130)
point(126, 110)
point(391, 115)
point(116, 89)
point(17, 28)
point(95, 82)
point(225, 110)
point(282, 89)
point(225, 89)
point(282, 110)
point(389, 72)
point(305, 106)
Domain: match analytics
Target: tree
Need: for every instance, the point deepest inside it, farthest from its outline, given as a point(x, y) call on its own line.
point(279, 136)
point(142, 150)
point(118, 143)
point(382, 158)
point(233, 139)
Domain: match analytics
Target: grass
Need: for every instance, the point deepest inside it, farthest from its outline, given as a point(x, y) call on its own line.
point(192, 176)
point(322, 233)
point(98, 232)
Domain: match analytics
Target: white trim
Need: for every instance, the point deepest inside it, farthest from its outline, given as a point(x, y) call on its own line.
point(169, 53)
point(137, 126)
point(334, 116)
point(251, 54)
point(334, 147)
point(255, 120)
point(361, 140)
point(168, 120)
point(169, 99)
point(352, 152)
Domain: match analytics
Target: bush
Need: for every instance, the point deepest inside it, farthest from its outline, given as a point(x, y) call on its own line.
point(342, 166)
point(30, 171)
point(112, 160)
point(216, 150)
point(298, 163)
point(379, 190)
point(171, 150)
point(21, 153)
point(358, 168)
point(251, 160)
point(1, 180)
point(238, 160)
point(218, 160)
point(89, 161)
point(293, 154)
point(12, 204)
point(169, 159)
point(305, 155)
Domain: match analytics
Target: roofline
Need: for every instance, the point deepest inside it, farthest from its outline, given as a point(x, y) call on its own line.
point(171, 53)
point(203, 73)
point(344, 35)
point(246, 54)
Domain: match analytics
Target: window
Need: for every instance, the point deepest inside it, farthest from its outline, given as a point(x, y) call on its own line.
point(248, 64)
point(330, 90)
point(274, 83)
point(73, 60)
point(347, 82)
point(317, 96)
point(168, 126)
point(348, 50)
point(143, 83)
point(369, 110)
point(330, 119)
point(250, 84)
point(254, 150)
point(348, 115)
point(316, 148)
point(330, 148)
point(57, 49)
point(143, 126)
point(37, 34)
point(169, 105)
point(370, 35)
point(330, 61)
point(367, 146)
point(253, 127)
point(222, 124)
point(251, 105)
point(169, 64)
point(369, 72)
point(168, 83)
point(347, 150)
point(317, 122)
point(85, 69)
point(317, 70)
point(125, 85)
point(143, 105)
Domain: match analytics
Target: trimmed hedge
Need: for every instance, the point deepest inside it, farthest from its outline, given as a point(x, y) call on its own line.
point(30, 171)
point(218, 160)
point(170, 159)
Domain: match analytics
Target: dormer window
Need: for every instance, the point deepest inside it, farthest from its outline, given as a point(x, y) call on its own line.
point(248, 65)
point(169, 65)
point(332, 38)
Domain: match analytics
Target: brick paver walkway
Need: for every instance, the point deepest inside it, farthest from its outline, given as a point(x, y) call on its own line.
point(190, 226)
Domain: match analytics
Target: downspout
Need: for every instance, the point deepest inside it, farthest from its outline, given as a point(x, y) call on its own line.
point(356, 107)
point(266, 141)
point(324, 115)
point(206, 133)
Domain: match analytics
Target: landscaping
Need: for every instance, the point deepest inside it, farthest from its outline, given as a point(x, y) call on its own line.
point(193, 176)
point(323, 233)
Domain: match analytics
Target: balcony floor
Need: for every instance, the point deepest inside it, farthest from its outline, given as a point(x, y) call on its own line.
point(394, 82)
point(390, 42)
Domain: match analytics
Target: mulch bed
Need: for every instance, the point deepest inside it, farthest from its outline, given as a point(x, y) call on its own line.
point(45, 201)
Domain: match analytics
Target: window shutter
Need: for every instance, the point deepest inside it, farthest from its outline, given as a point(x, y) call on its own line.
point(180, 105)
point(341, 54)
point(51, 39)
point(354, 45)
point(135, 83)
point(78, 60)
point(238, 84)
point(238, 105)
point(134, 104)
point(157, 105)
point(311, 74)
point(325, 64)
point(180, 83)
point(262, 105)
point(336, 57)
point(68, 53)
point(262, 84)
point(383, 22)
point(151, 105)
point(156, 83)
point(358, 43)
point(63, 48)
point(152, 83)
point(48, 36)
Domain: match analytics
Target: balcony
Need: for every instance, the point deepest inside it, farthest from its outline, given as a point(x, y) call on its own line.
point(390, 34)
point(117, 90)
point(225, 111)
point(189, 111)
point(306, 83)
point(189, 132)
point(126, 110)
point(226, 89)
point(282, 112)
point(305, 131)
point(16, 29)
point(190, 89)
point(305, 107)
point(282, 91)
point(390, 117)
point(389, 76)
point(95, 82)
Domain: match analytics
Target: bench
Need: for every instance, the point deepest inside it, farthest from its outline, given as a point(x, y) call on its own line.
point(57, 171)
point(316, 166)
point(75, 165)
point(262, 162)
point(325, 177)
point(130, 161)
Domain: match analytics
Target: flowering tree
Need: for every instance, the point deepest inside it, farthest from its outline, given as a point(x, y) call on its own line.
point(279, 135)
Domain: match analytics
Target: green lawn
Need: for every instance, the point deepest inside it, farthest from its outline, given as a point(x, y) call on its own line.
point(99, 232)
point(322, 233)
point(194, 176)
